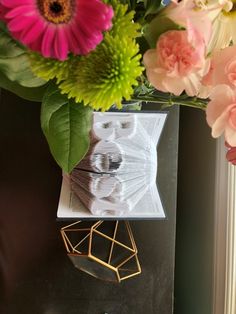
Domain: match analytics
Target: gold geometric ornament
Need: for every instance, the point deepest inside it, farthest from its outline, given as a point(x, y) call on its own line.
point(103, 249)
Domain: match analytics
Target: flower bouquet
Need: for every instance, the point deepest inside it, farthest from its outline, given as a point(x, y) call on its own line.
point(77, 56)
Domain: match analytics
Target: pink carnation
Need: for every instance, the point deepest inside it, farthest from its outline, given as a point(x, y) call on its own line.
point(57, 27)
point(223, 68)
point(221, 113)
point(178, 62)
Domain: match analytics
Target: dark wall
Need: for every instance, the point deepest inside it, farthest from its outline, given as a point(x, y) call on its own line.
point(195, 215)
point(36, 275)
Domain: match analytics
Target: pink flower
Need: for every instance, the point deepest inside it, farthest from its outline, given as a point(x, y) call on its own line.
point(214, 19)
point(188, 12)
point(221, 113)
point(2, 13)
point(57, 27)
point(178, 62)
point(223, 68)
point(231, 154)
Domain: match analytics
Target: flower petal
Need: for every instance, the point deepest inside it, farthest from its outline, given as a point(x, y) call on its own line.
point(150, 58)
point(84, 27)
point(174, 85)
point(230, 136)
point(15, 3)
point(192, 85)
point(29, 36)
point(156, 81)
point(221, 97)
point(61, 44)
point(48, 41)
point(219, 125)
point(20, 10)
point(18, 24)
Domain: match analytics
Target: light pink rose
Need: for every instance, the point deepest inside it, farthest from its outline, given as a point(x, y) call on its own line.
point(221, 113)
point(177, 64)
point(223, 68)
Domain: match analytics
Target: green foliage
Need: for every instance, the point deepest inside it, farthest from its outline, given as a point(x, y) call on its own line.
point(107, 75)
point(123, 24)
point(31, 94)
point(131, 3)
point(49, 69)
point(145, 92)
point(66, 125)
point(152, 6)
point(14, 62)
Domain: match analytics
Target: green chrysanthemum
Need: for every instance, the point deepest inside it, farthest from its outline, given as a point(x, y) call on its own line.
point(106, 75)
point(48, 69)
point(123, 24)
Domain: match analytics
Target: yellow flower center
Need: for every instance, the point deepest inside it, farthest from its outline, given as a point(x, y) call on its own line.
point(57, 11)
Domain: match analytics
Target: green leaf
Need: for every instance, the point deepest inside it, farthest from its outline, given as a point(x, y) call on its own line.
point(31, 94)
point(3, 27)
point(159, 25)
point(66, 125)
point(15, 63)
point(152, 6)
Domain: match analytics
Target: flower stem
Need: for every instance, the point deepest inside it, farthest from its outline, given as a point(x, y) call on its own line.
point(167, 100)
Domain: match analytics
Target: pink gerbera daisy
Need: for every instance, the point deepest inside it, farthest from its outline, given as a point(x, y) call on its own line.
point(56, 27)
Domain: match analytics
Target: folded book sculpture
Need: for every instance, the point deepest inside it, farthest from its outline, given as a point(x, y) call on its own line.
point(117, 177)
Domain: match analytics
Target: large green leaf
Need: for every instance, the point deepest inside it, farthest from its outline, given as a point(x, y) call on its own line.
point(32, 94)
point(66, 126)
point(159, 25)
point(15, 63)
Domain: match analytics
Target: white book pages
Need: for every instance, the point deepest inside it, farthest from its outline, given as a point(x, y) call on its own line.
point(118, 176)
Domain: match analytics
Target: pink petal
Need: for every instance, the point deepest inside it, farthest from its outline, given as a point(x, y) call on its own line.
point(150, 58)
point(224, 122)
point(72, 41)
point(221, 97)
point(97, 10)
point(48, 41)
point(174, 85)
point(81, 40)
point(29, 35)
point(36, 45)
point(85, 30)
point(156, 81)
point(18, 24)
point(61, 44)
point(14, 3)
point(20, 10)
point(81, 43)
point(219, 125)
point(192, 84)
point(223, 64)
point(230, 136)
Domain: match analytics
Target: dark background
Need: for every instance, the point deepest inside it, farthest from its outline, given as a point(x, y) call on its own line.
point(37, 277)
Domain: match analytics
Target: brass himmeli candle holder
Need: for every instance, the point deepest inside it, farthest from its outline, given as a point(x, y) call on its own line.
point(103, 249)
